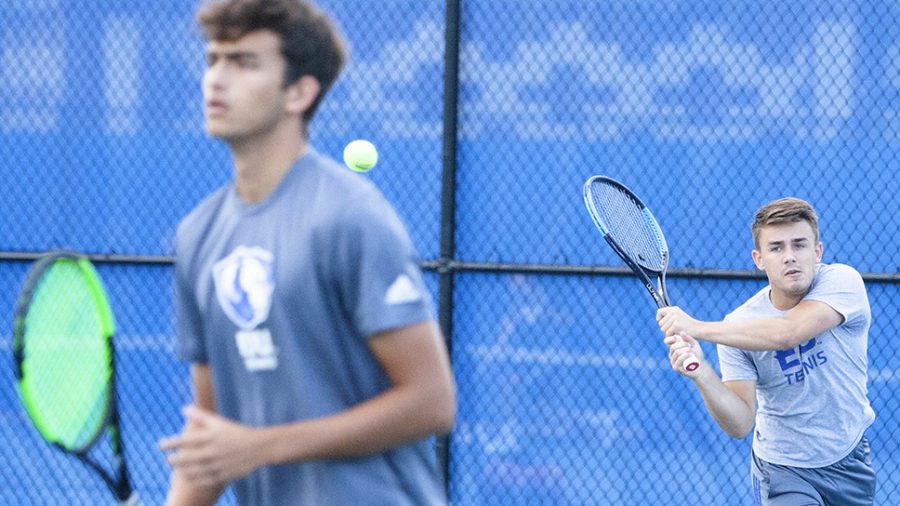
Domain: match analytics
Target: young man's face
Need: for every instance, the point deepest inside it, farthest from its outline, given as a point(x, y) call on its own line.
point(243, 87)
point(788, 253)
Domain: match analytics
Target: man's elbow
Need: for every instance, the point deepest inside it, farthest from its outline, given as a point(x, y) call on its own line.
point(738, 427)
point(786, 341)
point(785, 337)
point(738, 431)
point(448, 413)
point(442, 407)
point(737, 434)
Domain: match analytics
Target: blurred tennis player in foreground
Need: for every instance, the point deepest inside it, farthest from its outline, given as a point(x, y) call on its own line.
point(794, 358)
point(318, 369)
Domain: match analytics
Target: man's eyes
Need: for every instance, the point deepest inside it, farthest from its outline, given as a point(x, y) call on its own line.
point(244, 62)
point(798, 245)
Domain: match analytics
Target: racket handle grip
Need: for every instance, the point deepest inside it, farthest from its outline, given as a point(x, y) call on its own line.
point(690, 362)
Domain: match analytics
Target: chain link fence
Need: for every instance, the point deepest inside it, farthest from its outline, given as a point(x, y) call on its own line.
point(706, 109)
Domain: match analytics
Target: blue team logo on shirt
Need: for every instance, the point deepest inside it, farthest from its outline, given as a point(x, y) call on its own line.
point(244, 281)
point(797, 363)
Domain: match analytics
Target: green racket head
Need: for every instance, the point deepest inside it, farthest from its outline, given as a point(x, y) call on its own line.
point(63, 350)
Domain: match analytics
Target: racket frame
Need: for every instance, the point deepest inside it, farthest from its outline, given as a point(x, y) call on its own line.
point(657, 292)
point(120, 484)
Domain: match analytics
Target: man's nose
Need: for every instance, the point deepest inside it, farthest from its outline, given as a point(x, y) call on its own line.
point(789, 256)
point(215, 77)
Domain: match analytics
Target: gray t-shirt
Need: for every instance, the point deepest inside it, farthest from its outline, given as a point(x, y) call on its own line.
point(279, 298)
point(812, 404)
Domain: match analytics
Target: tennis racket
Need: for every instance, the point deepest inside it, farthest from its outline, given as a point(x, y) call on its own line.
point(62, 342)
point(632, 231)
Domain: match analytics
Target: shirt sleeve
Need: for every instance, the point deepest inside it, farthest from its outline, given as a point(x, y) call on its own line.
point(842, 288)
point(736, 364)
point(377, 270)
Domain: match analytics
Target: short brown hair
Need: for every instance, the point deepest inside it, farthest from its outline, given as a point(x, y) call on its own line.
point(786, 210)
point(310, 42)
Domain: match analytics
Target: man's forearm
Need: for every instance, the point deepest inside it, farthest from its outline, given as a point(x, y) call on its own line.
point(393, 418)
point(753, 335)
point(804, 321)
point(798, 325)
point(729, 411)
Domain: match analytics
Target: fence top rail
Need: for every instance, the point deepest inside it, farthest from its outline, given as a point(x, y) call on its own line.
point(450, 266)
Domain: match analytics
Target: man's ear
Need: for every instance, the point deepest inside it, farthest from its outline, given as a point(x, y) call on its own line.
point(758, 260)
point(301, 94)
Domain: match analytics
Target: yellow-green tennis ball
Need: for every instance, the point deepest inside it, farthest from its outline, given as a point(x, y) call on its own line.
point(360, 155)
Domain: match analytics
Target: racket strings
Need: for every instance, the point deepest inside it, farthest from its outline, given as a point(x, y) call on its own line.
point(66, 359)
point(629, 224)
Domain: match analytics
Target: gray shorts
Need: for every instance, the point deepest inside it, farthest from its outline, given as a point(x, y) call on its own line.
point(848, 482)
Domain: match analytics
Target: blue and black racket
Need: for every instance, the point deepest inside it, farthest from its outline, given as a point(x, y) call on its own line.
point(634, 234)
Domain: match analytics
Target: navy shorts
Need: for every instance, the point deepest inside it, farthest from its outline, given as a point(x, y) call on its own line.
point(848, 482)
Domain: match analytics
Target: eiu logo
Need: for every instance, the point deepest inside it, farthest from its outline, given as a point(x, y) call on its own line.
point(244, 281)
point(801, 357)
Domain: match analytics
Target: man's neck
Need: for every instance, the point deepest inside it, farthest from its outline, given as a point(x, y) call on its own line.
point(261, 163)
point(782, 301)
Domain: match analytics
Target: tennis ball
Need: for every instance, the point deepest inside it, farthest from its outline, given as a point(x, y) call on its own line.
point(360, 155)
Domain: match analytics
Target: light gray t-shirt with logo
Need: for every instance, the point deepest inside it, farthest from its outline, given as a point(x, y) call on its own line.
point(812, 404)
point(279, 298)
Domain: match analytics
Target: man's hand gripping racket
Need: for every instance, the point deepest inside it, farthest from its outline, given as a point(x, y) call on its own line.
point(633, 233)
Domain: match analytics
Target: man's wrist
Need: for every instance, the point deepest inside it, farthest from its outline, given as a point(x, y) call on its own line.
point(704, 330)
point(704, 373)
point(264, 447)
